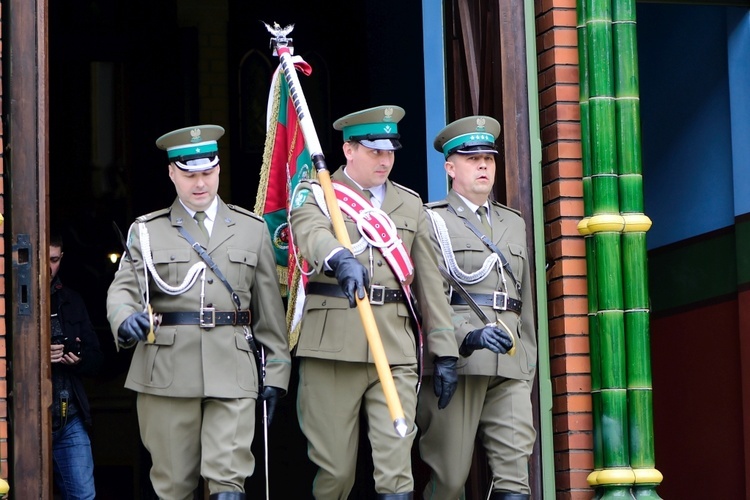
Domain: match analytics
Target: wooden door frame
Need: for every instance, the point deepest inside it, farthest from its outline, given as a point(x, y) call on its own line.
point(26, 156)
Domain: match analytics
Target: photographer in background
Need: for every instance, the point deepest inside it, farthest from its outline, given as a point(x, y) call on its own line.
point(74, 352)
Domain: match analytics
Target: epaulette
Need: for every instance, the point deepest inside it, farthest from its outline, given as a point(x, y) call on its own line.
point(500, 205)
point(411, 191)
point(244, 211)
point(437, 204)
point(153, 215)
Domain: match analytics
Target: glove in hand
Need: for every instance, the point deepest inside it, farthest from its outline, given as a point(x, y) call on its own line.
point(133, 329)
point(270, 396)
point(351, 275)
point(489, 337)
point(445, 379)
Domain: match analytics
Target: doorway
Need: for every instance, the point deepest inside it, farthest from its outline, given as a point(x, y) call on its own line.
point(124, 73)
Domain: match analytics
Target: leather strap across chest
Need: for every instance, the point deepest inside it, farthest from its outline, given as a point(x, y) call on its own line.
point(489, 244)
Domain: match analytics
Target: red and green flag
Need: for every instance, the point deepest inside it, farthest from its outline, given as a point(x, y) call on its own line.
point(286, 161)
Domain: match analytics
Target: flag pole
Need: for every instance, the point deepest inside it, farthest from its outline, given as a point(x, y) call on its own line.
point(282, 47)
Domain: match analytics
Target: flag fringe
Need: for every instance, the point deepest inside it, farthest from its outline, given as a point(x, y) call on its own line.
point(265, 169)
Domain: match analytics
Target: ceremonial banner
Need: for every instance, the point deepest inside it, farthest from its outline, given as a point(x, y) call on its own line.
point(286, 161)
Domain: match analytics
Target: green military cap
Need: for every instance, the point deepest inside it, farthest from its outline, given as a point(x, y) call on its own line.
point(192, 149)
point(473, 134)
point(374, 128)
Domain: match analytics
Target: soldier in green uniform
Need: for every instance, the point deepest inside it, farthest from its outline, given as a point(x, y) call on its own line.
point(493, 397)
point(391, 262)
point(208, 271)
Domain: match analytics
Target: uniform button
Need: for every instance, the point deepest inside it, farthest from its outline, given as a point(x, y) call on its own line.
point(172, 257)
point(380, 263)
point(210, 281)
point(468, 245)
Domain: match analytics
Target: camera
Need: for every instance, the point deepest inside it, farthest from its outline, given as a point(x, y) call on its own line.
point(71, 344)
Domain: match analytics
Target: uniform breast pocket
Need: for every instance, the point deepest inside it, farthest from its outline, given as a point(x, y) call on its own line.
point(406, 227)
point(469, 253)
point(242, 271)
point(518, 257)
point(172, 264)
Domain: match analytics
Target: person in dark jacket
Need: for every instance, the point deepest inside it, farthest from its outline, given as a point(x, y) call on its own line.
point(75, 353)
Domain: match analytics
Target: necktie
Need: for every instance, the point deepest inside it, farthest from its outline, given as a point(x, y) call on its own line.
point(373, 200)
point(482, 211)
point(200, 217)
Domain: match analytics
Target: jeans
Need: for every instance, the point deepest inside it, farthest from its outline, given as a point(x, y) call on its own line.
point(73, 463)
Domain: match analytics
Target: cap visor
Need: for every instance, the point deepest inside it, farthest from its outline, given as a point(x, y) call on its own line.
point(476, 149)
point(382, 144)
point(198, 164)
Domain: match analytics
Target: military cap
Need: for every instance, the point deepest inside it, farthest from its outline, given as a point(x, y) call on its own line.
point(374, 128)
point(192, 149)
point(473, 134)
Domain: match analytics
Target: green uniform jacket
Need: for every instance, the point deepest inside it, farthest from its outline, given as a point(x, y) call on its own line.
point(186, 360)
point(509, 235)
point(332, 330)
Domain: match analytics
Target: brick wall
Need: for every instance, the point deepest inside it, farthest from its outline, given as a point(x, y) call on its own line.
point(557, 52)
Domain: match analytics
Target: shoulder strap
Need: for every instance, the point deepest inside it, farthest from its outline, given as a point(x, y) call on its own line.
point(491, 246)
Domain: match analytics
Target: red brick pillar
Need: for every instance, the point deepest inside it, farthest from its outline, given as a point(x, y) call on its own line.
point(557, 49)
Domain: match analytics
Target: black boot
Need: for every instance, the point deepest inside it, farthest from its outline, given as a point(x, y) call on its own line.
point(227, 495)
point(396, 496)
point(509, 495)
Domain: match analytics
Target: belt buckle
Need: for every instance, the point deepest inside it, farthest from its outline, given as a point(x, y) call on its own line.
point(377, 295)
point(500, 301)
point(207, 311)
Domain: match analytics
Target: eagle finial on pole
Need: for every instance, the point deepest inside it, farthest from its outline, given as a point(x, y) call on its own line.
point(280, 36)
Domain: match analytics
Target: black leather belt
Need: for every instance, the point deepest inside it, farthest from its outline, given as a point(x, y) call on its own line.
point(499, 301)
point(379, 295)
point(207, 318)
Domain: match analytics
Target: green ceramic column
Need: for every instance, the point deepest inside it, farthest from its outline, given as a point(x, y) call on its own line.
point(613, 477)
point(588, 211)
point(636, 300)
point(615, 227)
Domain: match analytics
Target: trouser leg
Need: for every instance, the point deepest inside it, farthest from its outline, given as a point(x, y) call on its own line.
point(395, 496)
point(507, 433)
point(328, 405)
point(226, 441)
point(447, 437)
point(170, 431)
point(73, 462)
point(391, 454)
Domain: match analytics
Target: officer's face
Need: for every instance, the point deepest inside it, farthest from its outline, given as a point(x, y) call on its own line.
point(55, 256)
point(195, 189)
point(473, 175)
point(368, 167)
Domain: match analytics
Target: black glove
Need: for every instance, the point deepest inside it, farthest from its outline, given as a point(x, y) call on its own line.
point(133, 329)
point(351, 275)
point(489, 337)
point(270, 395)
point(444, 379)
